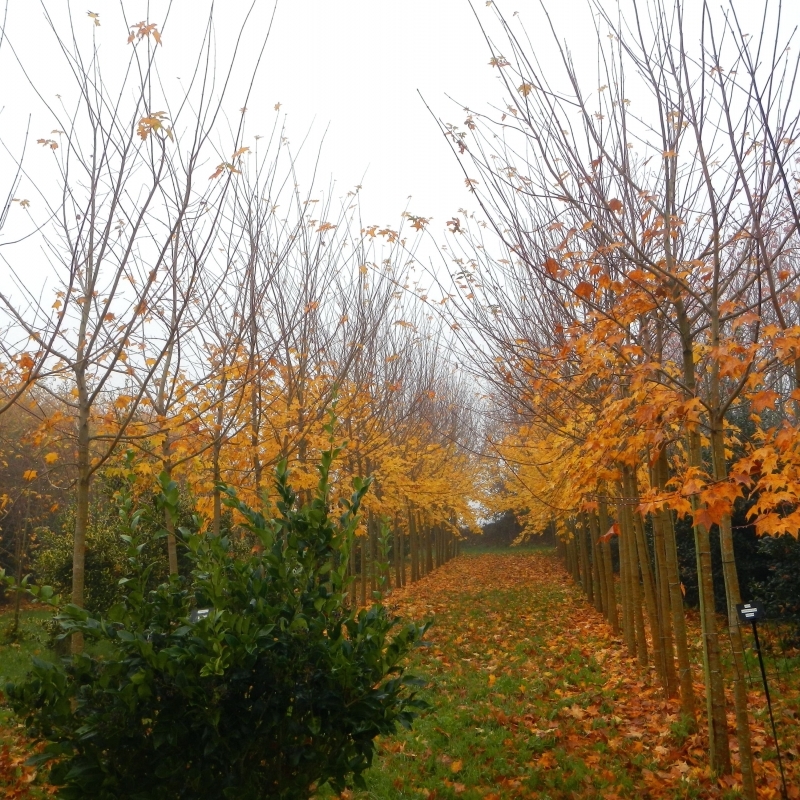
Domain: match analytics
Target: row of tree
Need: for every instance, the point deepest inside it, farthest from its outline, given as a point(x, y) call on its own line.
point(207, 319)
point(636, 313)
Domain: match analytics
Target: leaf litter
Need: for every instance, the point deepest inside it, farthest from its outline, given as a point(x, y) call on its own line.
point(533, 696)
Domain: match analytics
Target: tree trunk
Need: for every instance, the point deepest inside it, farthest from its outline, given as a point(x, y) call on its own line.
point(363, 582)
point(81, 507)
point(719, 748)
point(648, 581)
point(169, 524)
point(412, 542)
point(608, 563)
point(688, 702)
point(626, 582)
point(590, 524)
point(734, 597)
point(397, 550)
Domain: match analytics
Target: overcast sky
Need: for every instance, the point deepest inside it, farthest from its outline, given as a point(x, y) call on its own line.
point(351, 71)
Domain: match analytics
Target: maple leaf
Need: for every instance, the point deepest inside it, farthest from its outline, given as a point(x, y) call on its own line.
point(764, 399)
point(702, 516)
point(151, 123)
point(141, 30)
point(51, 458)
point(615, 205)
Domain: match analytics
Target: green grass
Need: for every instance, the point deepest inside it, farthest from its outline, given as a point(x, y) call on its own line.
point(32, 640)
point(479, 549)
point(519, 706)
point(529, 694)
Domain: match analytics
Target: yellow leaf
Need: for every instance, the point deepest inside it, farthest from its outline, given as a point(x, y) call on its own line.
point(30, 475)
point(456, 766)
point(51, 458)
point(492, 680)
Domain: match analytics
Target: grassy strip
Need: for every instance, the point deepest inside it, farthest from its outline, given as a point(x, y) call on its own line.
point(532, 697)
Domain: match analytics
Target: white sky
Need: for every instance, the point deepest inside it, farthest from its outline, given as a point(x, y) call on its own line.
point(351, 66)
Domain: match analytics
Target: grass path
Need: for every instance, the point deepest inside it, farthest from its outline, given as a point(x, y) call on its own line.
point(532, 697)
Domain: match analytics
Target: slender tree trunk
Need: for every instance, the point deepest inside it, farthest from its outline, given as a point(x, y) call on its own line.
point(428, 549)
point(590, 524)
point(716, 711)
point(20, 549)
point(255, 436)
point(628, 541)
point(169, 524)
point(664, 613)
point(412, 543)
point(216, 451)
point(648, 581)
point(397, 549)
point(608, 563)
point(734, 597)
point(626, 581)
point(586, 567)
point(373, 561)
point(81, 507)
point(216, 455)
point(363, 547)
point(688, 702)
point(353, 588)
